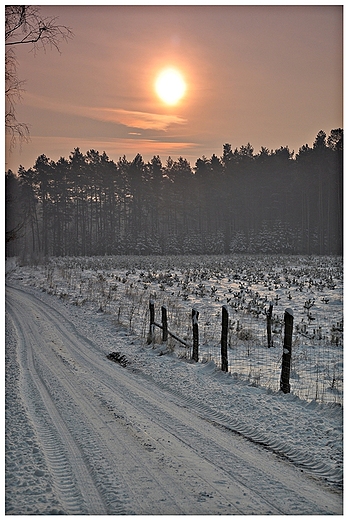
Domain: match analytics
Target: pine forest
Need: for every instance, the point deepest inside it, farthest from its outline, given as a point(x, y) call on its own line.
point(271, 202)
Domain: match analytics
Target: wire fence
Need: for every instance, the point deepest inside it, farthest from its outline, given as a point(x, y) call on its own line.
point(316, 371)
point(317, 350)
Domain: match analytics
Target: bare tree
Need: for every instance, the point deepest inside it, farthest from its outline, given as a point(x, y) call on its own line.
point(25, 26)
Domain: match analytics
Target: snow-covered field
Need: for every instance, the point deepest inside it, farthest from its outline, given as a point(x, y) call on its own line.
point(161, 434)
point(312, 287)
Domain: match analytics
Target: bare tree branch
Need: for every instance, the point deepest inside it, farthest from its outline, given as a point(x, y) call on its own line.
point(25, 26)
point(14, 233)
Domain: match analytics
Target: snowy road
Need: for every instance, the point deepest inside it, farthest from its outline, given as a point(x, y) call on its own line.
point(114, 442)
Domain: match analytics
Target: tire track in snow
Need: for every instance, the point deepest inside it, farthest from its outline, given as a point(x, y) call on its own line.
point(28, 487)
point(206, 414)
point(250, 433)
point(103, 434)
point(152, 478)
point(75, 487)
point(287, 497)
point(156, 480)
point(153, 422)
point(67, 398)
point(258, 503)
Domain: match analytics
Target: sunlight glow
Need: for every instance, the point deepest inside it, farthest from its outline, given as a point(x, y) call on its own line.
point(170, 86)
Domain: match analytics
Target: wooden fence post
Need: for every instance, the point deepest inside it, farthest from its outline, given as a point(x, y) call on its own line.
point(224, 333)
point(164, 324)
point(285, 374)
point(195, 315)
point(269, 325)
point(151, 334)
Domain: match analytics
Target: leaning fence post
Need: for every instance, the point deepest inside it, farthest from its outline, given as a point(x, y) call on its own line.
point(195, 315)
point(150, 337)
point(285, 374)
point(164, 324)
point(269, 325)
point(224, 333)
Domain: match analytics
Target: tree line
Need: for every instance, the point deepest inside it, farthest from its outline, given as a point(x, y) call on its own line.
point(271, 202)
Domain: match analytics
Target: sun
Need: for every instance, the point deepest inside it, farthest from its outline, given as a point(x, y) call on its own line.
point(170, 86)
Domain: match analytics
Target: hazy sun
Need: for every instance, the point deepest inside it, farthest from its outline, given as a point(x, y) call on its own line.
point(170, 86)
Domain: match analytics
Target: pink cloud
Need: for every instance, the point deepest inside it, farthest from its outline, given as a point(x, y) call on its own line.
point(130, 118)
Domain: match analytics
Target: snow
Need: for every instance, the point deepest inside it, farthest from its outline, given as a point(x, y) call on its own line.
point(122, 286)
point(158, 434)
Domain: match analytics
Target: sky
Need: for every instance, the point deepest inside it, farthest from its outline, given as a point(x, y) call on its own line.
point(266, 75)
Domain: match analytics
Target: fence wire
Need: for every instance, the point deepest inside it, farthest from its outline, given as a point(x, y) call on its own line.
point(317, 350)
point(316, 371)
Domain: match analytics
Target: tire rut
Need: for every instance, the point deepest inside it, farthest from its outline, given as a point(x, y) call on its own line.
point(129, 412)
point(74, 485)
